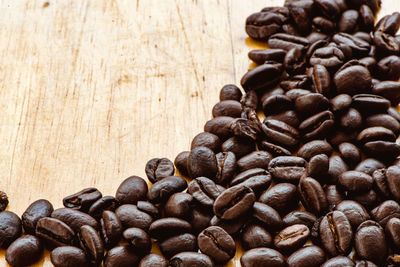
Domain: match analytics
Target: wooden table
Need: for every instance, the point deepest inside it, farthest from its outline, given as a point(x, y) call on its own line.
point(91, 90)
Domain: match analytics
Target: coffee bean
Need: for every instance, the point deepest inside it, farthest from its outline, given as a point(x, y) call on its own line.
point(346, 82)
point(370, 64)
point(255, 236)
point(230, 92)
point(348, 21)
point(309, 256)
point(230, 226)
point(375, 134)
point(313, 148)
point(389, 24)
point(301, 18)
point(24, 251)
point(274, 149)
point(179, 205)
point(358, 46)
point(200, 219)
point(131, 190)
point(176, 244)
point(217, 244)
point(3, 201)
point(163, 189)
point(261, 25)
point(355, 181)
point(231, 108)
point(328, 8)
point(351, 120)
point(333, 196)
point(157, 169)
point(167, 227)
point(295, 93)
point(297, 81)
point(318, 166)
point(250, 100)
point(227, 164)
point(138, 239)
point(317, 126)
point(131, 216)
point(267, 215)
point(388, 68)
point(234, 202)
point(262, 76)
point(329, 56)
point(111, 228)
point(276, 103)
point(287, 168)
point(312, 195)
point(291, 238)
point(10, 228)
point(262, 257)
point(189, 259)
point(208, 140)
point(247, 128)
point(286, 41)
point(385, 211)
point(153, 260)
point(299, 217)
point(393, 181)
point(239, 146)
point(288, 116)
point(282, 197)
point(39, 209)
point(381, 182)
point(294, 61)
point(389, 90)
point(122, 256)
point(74, 218)
point(385, 43)
point(384, 120)
point(339, 261)
point(311, 104)
point(368, 103)
point(68, 257)
point(104, 203)
point(260, 56)
point(337, 166)
point(369, 165)
point(219, 126)
point(350, 153)
point(204, 191)
point(321, 79)
point(54, 232)
point(280, 133)
point(374, 251)
point(83, 199)
point(323, 24)
point(338, 136)
point(256, 159)
point(91, 242)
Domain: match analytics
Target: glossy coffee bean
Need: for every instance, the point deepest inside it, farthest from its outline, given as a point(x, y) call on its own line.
point(234, 202)
point(333, 196)
point(10, 228)
point(188, 259)
point(255, 236)
point(24, 251)
point(167, 227)
point(262, 76)
point(262, 257)
point(200, 219)
point(282, 197)
point(339, 261)
point(392, 231)
point(162, 190)
point(385, 211)
point(246, 128)
point(131, 216)
point(317, 126)
point(122, 256)
point(299, 217)
point(204, 191)
point(153, 260)
point(312, 195)
point(350, 153)
point(205, 139)
point(217, 244)
point(231, 108)
point(91, 242)
point(102, 204)
point(238, 145)
point(260, 56)
point(374, 251)
point(131, 190)
point(291, 238)
point(358, 46)
point(329, 56)
point(369, 165)
point(280, 133)
point(74, 218)
point(287, 168)
point(179, 205)
point(230, 92)
point(321, 79)
point(219, 126)
point(176, 244)
point(83, 199)
point(385, 120)
point(388, 90)
point(227, 165)
point(181, 162)
point(256, 159)
point(355, 181)
point(393, 181)
point(149, 208)
point(232, 227)
point(313, 148)
point(267, 215)
point(385, 43)
point(286, 41)
point(54, 232)
point(351, 120)
point(294, 61)
point(111, 228)
point(261, 25)
point(318, 166)
point(159, 168)
point(381, 183)
point(310, 256)
point(68, 257)
point(369, 103)
point(39, 209)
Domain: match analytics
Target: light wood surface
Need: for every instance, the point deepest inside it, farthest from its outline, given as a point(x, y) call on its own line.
point(91, 90)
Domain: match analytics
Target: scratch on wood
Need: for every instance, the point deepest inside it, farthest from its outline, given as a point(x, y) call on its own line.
point(231, 36)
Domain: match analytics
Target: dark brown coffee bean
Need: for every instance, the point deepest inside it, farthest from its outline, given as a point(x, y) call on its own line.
point(336, 167)
point(189, 259)
point(10, 228)
point(369, 165)
point(153, 260)
point(176, 244)
point(202, 162)
point(358, 46)
point(355, 181)
point(291, 238)
point(138, 239)
point(309, 256)
point(313, 148)
point(131, 190)
point(262, 76)
point(389, 90)
point(375, 134)
point(393, 181)
point(260, 56)
point(281, 133)
point(367, 199)
point(230, 226)
point(286, 41)
point(261, 25)
point(200, 219)
point(348, 21)
point(69, 257)
point(287, 168)
point(333, 196)
point(311, 104)
point(389, 24)
point(102, 204)
point(234, 202)
point(297, 81)
point(167, 227)
point(364, 263)
point(111, 228)
point(204, 191)
point(328, 8)
point(83, 199)
point(282, 197)
point(384, 150)
point(39, 209)
point(91, 242)
point(321, 79)
point(255, 236)
point(219, 126)
point(352, 80)
point(318, 166)
point(374, 251)
point(256, 159)
point(339, 261)
point(294, 61)
point(370, 64)
point(366, 18)
point(267, 215)
point(312, 195)
point(276, 103)
point(227, 164)
point(350, 153)
point(381, 183)
point(181, 162)
point(338, 136)
point(262, 257)
point(385, 211)
point(392, 231)
point(121, 256)
point(54, 232)
point(351, 120)
point(230, 92)
point(179, 205)
point(206, 139)
point(246, 128)
point(367, 103)
point(288, 116)
point(231, 108)
point(299, 217)
point(157, 169)
point(239, 146)
point(24, 251)
point(131, 216)
point(388, 68)
point(384, 120)
point(163, 189)
point(385, 43)
point(256, 179)
point(295, 93)
point(274, 149)
point(217, 244)
point(149, 208)
point(323, 24)
point(329, 56)
point(3, 201)
point(74, 218)
point(317, 126)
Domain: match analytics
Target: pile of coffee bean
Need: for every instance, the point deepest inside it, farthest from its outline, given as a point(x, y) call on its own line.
point(301, 170)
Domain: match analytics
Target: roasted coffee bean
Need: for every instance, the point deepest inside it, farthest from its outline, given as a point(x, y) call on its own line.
point(350, 153)
point(149, 208)
point(295, 93)
point(312, 195)
point(239, 146)
point(39, 209)
point(179, 205)
point(299, 217)
point(153, 260)
point(351, 120)
point(352, 80)
point(276, 103)
point(3, 201)
point(24, 251)
point(389, 90)
point(274, 149)
point(54, 232)
point(131, 216)
point(329, 56)
point(267, 92)
point(338, 136)
point(335, 233)
point(200, 219)
point(255, 236)
point(297, 81)
point(91, 242)
point(384, 150)
point(219, 126)
point(367, 199)
point(131, 190)
point(381, 183)
point(389, 24)
point(388, 68)
point(202, 162)
point(262, 76)
point(392, 231)
point(83, 199)
point(74, 218)
point(321, 79)
point(323, 24)
point(358, 46)
point(181, 162)
point(230, 226)
point(286, 41)
point(313, 148)
point(267, 215)
point(348, 21)
point(260, 56)
point(311, 104)
point(203, 190)
point(189, 259)
point(385, 43)
point(301, 17)
point(157, 169)
point(366, 18)
point(206, 140)
point(339, 261)
point(227, 164)
point(234, 202)
point(111, 228)
point(231, 108)
point(328, 8)
point(318, 166)
point(256, 179)
point(333, 196)
point(393, 181)
point(294, 61)
point(261, 25)
point(69, 257)
point(369, 165)
point(256, 159)
point(176, 244)
point(217, 244)
point(385, 211)
point(138, 239)
point(309, 256)
point(355, 181)
point(282, 197)
point(230, 92)
point(370, 64)
point(121, 256)
point(102, 204)
point(337, 166)
point(287, 168)
point(375, 134)
point(281, 133)
point(317, 126)
point(385, 120)
point(10, 228)
point(375, 251)
point(250, 100)
point(246, 128)
point(367, 103)
point(167, 227)
point(163, 189)
point(364, 263)
point(314, 46)
point(288, 116)
point(392, 111)
point(262, 257)
point(291, 238)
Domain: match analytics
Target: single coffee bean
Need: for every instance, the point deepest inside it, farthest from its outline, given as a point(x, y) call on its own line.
point(393, 181)
point(389, 90)
point(204, 191)
point(381, 183)
point(83, 199)
point(227, 165)
point(230, 92)
point(131, 190)
point(267, 215)
point(158, 168)
point(268, 92)
point(163, 189)
point(287, 168)
point(385, 211)
point(375, 134)
point(348, 21)
point(176, 244)
point(24, 251)
point(3, 201)
point(317, 126)
point(121, 256)
point(338, 136)
point(309, 256)
point(206, 140)
point(286, 41)
point(255, 236)
point(239, 146)
point(385, 43)
point(295, 93)
point(323, 24)
point(339, 261)
point(10, 228)
point(367, 18)
point(288, 116)
point(111, 229)
point(262, 76)
point(179, 205)
point(39, 209)
point(333, 196)
point(74, 218)
point(389, 24)
point(355, 181)
point(321, 79)
point(231, 108)
point(294, 61)
point(281, 133)
point(368, 103)
point(329, 56)
point(337, 166)
point(370, 64)
point(54, 232)
point(167, 227)
point(329, 9)
point(68, 257)
point(262, 257)
point(311, 104)
point(318, 166)
point(234, 202)
point(260, 56)
point(261, 25)
point(153, 260)
point(282, 197)
point(149, 208)
point(91, 242)
point(367, 199)
point(202, 162)
point(358, 46)
point(299, 217)
point(297, 81)
point(374, 251)
point(249, 100)
point(104, 203)
point(200, 219)
point(388, 68)
point(189, 259)
point(291, 238)
point(230, 226)
point(219, 126)
point(256, 159)
point(351, 120)
point(312, 195)
point(138, 239)
point(181, 162)
point(335, 233)
point(392, 231)
point(384, 120)
point(217, 244)
point(247, 128)
point(313, 148)
point(131, 216)
point(350, 153)
point(301, 17)
point(274, 149)
point(346, 82)
point(369, 165)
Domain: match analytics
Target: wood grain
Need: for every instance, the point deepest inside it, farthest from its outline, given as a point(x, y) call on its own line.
point(91, 90)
